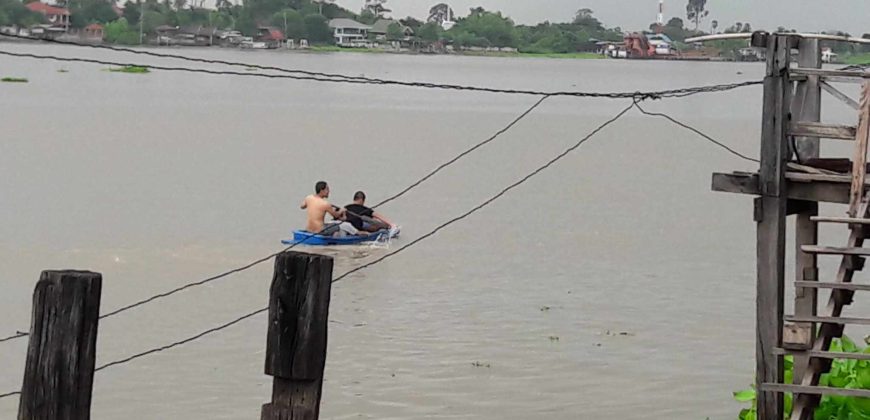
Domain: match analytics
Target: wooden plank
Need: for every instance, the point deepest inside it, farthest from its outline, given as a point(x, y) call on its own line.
point(835, 250)
point(771, 226)
point(831, 285)
point(842, 220)
point(842, 179)
point(821, 130)
point(816, 390)
point(825, 354)
point(859, 168)
point(823, 191)
point(59, 372)
point(838, 320)
point(856, 75)
point(297, 335)
point(840, 95)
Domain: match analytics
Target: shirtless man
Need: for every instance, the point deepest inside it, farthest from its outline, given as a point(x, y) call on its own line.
point(318, 207)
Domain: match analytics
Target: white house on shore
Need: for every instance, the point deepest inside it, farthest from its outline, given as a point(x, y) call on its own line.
point(350, 33)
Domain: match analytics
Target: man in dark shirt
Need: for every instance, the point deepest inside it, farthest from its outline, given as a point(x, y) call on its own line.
point(364, 218)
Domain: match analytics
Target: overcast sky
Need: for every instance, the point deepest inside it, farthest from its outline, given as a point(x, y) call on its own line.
point(805, 15)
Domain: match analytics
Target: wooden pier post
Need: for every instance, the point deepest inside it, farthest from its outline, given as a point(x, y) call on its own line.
point(771, 209)
point(808, 107)
point(296, 339)
point(59, 373)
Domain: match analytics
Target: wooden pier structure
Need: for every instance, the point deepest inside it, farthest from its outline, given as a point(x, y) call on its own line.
point(791, 181)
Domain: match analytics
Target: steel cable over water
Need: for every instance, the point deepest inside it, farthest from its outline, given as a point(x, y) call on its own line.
point(669, 93)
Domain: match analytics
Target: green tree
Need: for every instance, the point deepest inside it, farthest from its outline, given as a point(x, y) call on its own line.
point(411, 23)
point(318, 30)
point(483, 29)
point(395, 32)
point(430, 32)
point(13, 12)
point(86, 12)
point(132, 12)
point(119, 32)
point(291, 22)
point(696, 10)
point(585, 19)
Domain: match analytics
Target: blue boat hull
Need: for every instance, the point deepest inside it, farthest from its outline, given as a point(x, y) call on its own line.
point(303, 237)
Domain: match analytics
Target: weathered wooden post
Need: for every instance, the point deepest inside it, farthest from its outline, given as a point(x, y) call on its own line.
point(59, 374)
point(807, 106)
point(770, 214)
point(296, 339)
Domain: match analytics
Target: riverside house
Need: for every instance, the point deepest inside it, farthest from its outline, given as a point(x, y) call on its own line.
point(57, 17)
point(350, 33)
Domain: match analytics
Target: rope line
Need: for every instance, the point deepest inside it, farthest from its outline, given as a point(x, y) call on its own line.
point(9, 394)
point(493, 198)
point(696, 131)
point(367, 265)
point(671, 93)
point(465, 153)
point(20, 334)
point(182, 342)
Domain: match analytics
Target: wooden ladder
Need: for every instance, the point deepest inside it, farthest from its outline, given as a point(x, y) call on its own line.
point(817, 358)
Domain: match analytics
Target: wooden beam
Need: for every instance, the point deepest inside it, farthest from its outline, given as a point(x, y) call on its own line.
point(296, 339)
point(835, 250)
point(771, 226)
point(841, 286)
point(807, 105)
point(838, 320)
point(840, 95)
point(825, 354)
point(59, 373)
point(820, 130)
point(824, 191)
point(842, 220)
point(847, 74)
point(816, 390)
point(862, 137)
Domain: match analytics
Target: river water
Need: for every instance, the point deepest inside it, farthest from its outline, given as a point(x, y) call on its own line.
point(615, 284)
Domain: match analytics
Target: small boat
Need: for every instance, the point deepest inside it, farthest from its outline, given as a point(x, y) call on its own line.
point(303, 237)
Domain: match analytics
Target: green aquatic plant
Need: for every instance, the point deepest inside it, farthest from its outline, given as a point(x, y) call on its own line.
point(14, 80)
point(848, 374)
point(130, 69)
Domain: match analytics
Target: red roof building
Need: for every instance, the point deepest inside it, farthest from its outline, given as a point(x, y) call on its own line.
point(94, 30)
point(56, 16)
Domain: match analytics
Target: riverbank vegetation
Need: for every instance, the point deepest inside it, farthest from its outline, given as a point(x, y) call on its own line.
point(136, 21)
point(14, 80)
point(850, 374)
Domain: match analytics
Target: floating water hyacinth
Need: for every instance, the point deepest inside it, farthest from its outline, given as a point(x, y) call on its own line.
point(130, 69)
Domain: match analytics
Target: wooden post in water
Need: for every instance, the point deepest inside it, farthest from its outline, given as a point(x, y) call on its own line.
point(296, 339)
point(59, 373)
point(807, 106)
point(770, 212)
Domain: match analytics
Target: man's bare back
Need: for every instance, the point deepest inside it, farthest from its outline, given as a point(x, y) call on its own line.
point(317, 208)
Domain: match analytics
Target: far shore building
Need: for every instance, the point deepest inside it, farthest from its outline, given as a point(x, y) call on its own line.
point(350, 33)
point(382, 26)
point(57, 17)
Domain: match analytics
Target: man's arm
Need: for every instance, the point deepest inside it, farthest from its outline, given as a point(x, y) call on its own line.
point(380, 217)
point(338, 214)
point(304, 204)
